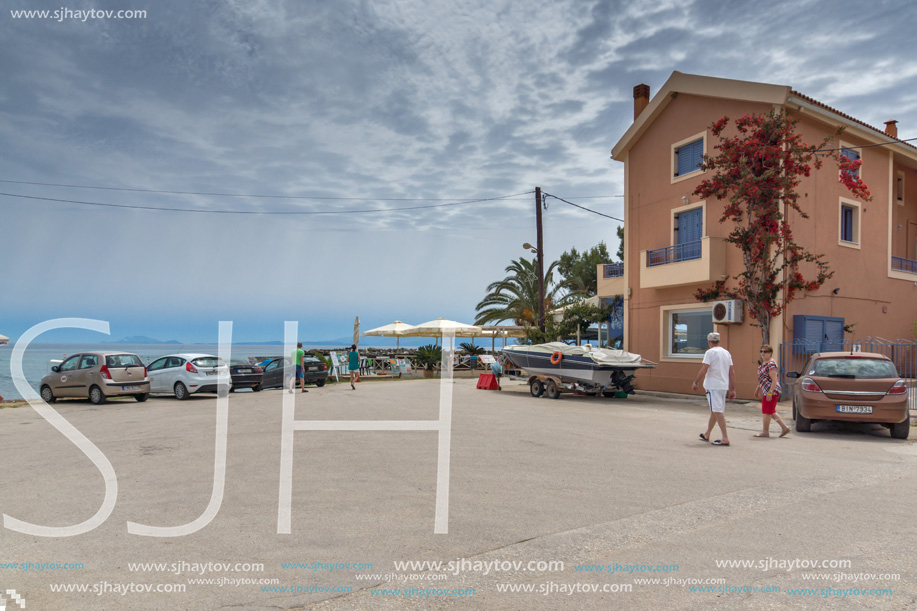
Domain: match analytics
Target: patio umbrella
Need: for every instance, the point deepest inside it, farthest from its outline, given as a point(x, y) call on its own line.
point(436, 328)
point(397, 330)
point(4, 340)
point(356, 331)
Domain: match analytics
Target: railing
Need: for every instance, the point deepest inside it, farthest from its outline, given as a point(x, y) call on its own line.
point(614, 270)
point(674, 254)
point(904, 265)
point(903, 353)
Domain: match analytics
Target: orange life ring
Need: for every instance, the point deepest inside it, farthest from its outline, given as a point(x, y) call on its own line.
point(556, 358)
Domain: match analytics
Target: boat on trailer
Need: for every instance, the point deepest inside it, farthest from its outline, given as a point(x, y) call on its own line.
point(556, 367)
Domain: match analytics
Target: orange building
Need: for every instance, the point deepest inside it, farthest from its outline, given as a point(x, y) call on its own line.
point(675, 243)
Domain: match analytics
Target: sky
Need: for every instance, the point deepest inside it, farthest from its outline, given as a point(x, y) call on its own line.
point(376, 107)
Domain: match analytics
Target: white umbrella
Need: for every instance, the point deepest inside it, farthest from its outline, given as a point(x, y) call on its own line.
point(356, 331)
point(436, 328)
point(4, 340)
point(397, 330)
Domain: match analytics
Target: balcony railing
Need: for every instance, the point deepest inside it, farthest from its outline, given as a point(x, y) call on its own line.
point(673, 254)
point(613, 270)
point(904, 265)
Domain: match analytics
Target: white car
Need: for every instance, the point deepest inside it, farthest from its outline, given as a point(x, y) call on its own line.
point(186, 374)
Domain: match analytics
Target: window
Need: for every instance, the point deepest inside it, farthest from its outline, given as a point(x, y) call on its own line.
point(849, 224)
point(157, 365)
point(899, 188)
point(689, 157)
point(687, 331)
point(852, 155)
point(70, 364)
point(88, 361)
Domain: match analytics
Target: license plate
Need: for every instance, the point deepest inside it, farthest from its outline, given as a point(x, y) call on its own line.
point(211, 373)
point(245, 371)
point(312, 368)
point(130, 388)
point(854, 409)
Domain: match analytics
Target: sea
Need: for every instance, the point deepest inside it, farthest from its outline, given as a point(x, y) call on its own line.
point(36, 362)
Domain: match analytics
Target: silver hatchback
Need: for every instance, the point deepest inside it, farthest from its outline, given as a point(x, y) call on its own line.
point(97, 376)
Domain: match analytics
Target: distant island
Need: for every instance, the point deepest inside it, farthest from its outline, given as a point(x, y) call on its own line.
point(142, 339)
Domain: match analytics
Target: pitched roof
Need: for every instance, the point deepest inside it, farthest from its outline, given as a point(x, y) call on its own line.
point(709, 86)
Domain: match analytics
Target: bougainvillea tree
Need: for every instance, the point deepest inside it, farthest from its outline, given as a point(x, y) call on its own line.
point(757, 171)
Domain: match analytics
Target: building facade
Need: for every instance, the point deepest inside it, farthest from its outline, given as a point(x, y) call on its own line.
point(675, 243)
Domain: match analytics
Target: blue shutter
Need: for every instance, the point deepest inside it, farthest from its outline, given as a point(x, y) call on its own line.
point(834, 335)
point(690, 225)
point(850, 154)
point(690, 157)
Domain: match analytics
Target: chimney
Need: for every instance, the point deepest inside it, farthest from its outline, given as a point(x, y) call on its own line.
point(891, 129)
point(641, 98)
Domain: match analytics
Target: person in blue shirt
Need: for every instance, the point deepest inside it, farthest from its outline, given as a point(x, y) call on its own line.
point(497, 371)
point(353, 364)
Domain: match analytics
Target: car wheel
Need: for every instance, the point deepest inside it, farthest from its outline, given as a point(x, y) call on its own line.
point(550, 390)
point(803, 424)
point(181, 391)
point(96, 396)
point(141, 397)
point(320, 383)
point(536, 388)
point(46, 395)
point(257, 388)
point(900, 430)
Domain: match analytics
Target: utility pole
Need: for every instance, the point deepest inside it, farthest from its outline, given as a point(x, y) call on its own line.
point(539, 248)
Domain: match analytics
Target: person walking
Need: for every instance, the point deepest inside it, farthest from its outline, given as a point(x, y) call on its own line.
point(353, 364)
point(719, 379)
point(298, 358)
point(769, 388)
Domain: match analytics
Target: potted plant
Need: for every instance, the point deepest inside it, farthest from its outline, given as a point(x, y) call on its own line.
point(427, 357)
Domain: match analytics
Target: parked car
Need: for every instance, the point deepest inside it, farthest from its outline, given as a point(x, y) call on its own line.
point(186, 374)
point(316, 372)
point(97, 376)
point(854, 387)
point(245, 375)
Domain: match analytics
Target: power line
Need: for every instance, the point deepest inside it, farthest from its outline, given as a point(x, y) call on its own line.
point(253, 195)
point(268, 212)
point(584, 208)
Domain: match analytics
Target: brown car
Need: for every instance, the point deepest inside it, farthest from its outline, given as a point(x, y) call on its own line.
point(851, 386)
point(96, 376)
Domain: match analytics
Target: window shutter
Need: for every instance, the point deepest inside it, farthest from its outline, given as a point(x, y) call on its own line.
point(689, 157)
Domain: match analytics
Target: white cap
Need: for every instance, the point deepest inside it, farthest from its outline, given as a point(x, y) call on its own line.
point(713, 337)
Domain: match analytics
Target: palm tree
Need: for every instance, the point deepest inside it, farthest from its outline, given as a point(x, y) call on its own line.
point(516, 296)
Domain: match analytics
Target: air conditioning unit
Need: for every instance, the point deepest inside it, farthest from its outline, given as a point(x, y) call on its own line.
point(728, 311)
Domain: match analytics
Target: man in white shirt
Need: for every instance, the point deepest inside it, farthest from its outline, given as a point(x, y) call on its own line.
point(719, 382)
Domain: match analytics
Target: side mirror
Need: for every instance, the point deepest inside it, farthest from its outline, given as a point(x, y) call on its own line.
point(55, 369)
point(792, 375)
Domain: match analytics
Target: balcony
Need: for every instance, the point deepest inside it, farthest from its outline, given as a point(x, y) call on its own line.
point(690, 263)
point(610, 279)
point(904, 265)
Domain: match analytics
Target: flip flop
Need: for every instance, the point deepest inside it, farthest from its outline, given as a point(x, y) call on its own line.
point(785, 433)
point(706, 439)
point(719, 442)
point(760, 435)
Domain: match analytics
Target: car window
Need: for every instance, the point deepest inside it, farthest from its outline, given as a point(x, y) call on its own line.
point(858, 368)
point(242, 362)
point(206, 361)
point(272, 365)
point(70, 364)
point(312, 359)
point(89, 360)
point(123, 360)
point(175, 361)
point(157, 364)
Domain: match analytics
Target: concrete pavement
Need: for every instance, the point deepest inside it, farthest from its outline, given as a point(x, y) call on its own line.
point(590, 483)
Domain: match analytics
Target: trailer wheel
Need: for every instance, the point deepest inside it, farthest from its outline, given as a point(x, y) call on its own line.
point(550, 390)
point(536, 388)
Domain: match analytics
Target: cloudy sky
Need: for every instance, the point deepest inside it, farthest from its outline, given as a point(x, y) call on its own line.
point(376, 107)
